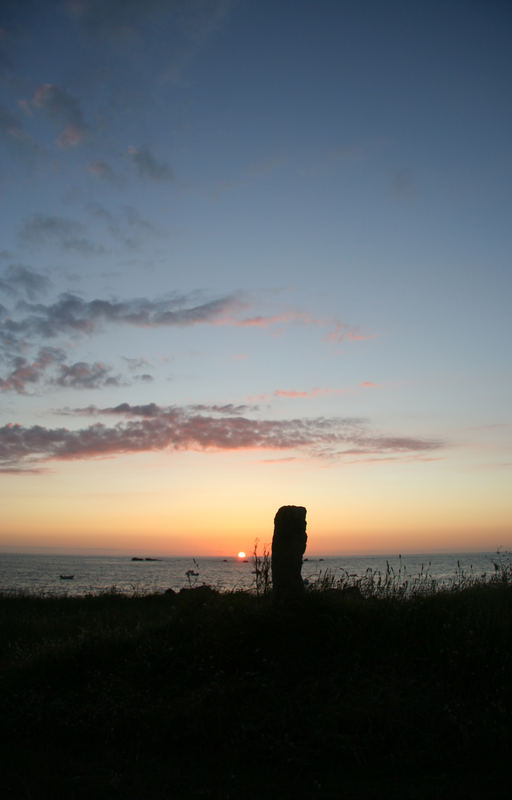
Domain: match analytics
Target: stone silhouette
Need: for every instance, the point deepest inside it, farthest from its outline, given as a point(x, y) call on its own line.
point(288, 546)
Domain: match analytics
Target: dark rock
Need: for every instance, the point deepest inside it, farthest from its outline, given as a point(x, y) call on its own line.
point(288, 547)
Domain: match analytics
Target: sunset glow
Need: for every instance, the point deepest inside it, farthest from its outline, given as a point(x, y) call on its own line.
point(230, 283)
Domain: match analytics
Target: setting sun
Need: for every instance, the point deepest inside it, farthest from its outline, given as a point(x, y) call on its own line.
point(241, 554)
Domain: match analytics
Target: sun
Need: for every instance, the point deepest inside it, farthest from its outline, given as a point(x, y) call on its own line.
point(241, 554)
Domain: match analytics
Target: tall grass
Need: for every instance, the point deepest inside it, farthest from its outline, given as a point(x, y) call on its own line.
point(262, 565)
point(398, 583)
point(373, 686)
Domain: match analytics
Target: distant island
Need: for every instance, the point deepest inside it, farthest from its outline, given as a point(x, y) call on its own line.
point(137, 558)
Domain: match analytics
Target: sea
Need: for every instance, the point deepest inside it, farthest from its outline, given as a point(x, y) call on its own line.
point(79, 575)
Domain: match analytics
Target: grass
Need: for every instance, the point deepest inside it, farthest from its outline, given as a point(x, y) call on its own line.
point(359, 691)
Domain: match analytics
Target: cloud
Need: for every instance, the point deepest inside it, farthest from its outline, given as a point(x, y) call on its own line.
point(186, 25)
point(153, 428)
point(148, 166)
point(8, 122)
point(266, 321)
point(105, 19)
point(196, 18)
point(264, 166)
point(23, 373)
point(317, 391)
point(68, 234)
point(130, 227)
point(290, 393)
point(40, 228)
point(82, 375)
point(13, 134)
point(100, 169)
point(344, 332)
point(71, 314)
point(50, 368)
point(340, 331)
point(22, 280)
point(64, 110)
point(137, 221)
point(228, 408)
point(135, 364)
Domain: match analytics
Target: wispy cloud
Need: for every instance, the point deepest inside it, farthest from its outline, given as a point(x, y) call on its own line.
point(19, 279)
point(67, 234)
point(64, 110)
point(148, 166)
point(100, 169)
point(316, 391)
point(155, 428)
point(338, 332)
point(25, 326)
point(342, 332)
point(187, 25)
point(71, 313)
point(267, 321)
point(13, 133)
point(128, 227)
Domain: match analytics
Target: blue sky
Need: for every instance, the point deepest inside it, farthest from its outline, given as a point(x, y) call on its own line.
point(255, 245)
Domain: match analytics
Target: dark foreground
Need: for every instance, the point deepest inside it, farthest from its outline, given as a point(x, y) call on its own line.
point(223, 696)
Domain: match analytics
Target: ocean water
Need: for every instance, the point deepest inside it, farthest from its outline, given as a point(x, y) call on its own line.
point(41, 574)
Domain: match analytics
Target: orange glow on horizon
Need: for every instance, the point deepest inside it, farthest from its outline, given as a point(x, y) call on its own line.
point(180, 506)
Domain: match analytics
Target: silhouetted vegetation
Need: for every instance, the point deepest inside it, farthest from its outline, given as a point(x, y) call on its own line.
point(352, 692)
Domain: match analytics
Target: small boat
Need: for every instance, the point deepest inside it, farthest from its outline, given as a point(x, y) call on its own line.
point(67, 577)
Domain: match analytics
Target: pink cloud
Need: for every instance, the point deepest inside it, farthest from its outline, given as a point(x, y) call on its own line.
point(368, 384)
point(315, 392)
point(266, 321)
point(342, 332)
point(290, 393)
point(286, 317)
point(279, 460)
point(155, 428)
point(70, 136)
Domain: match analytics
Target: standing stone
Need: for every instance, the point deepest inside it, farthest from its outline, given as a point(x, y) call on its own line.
point(288, 546)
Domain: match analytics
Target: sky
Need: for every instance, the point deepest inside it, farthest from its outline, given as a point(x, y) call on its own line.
point(255, 254)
